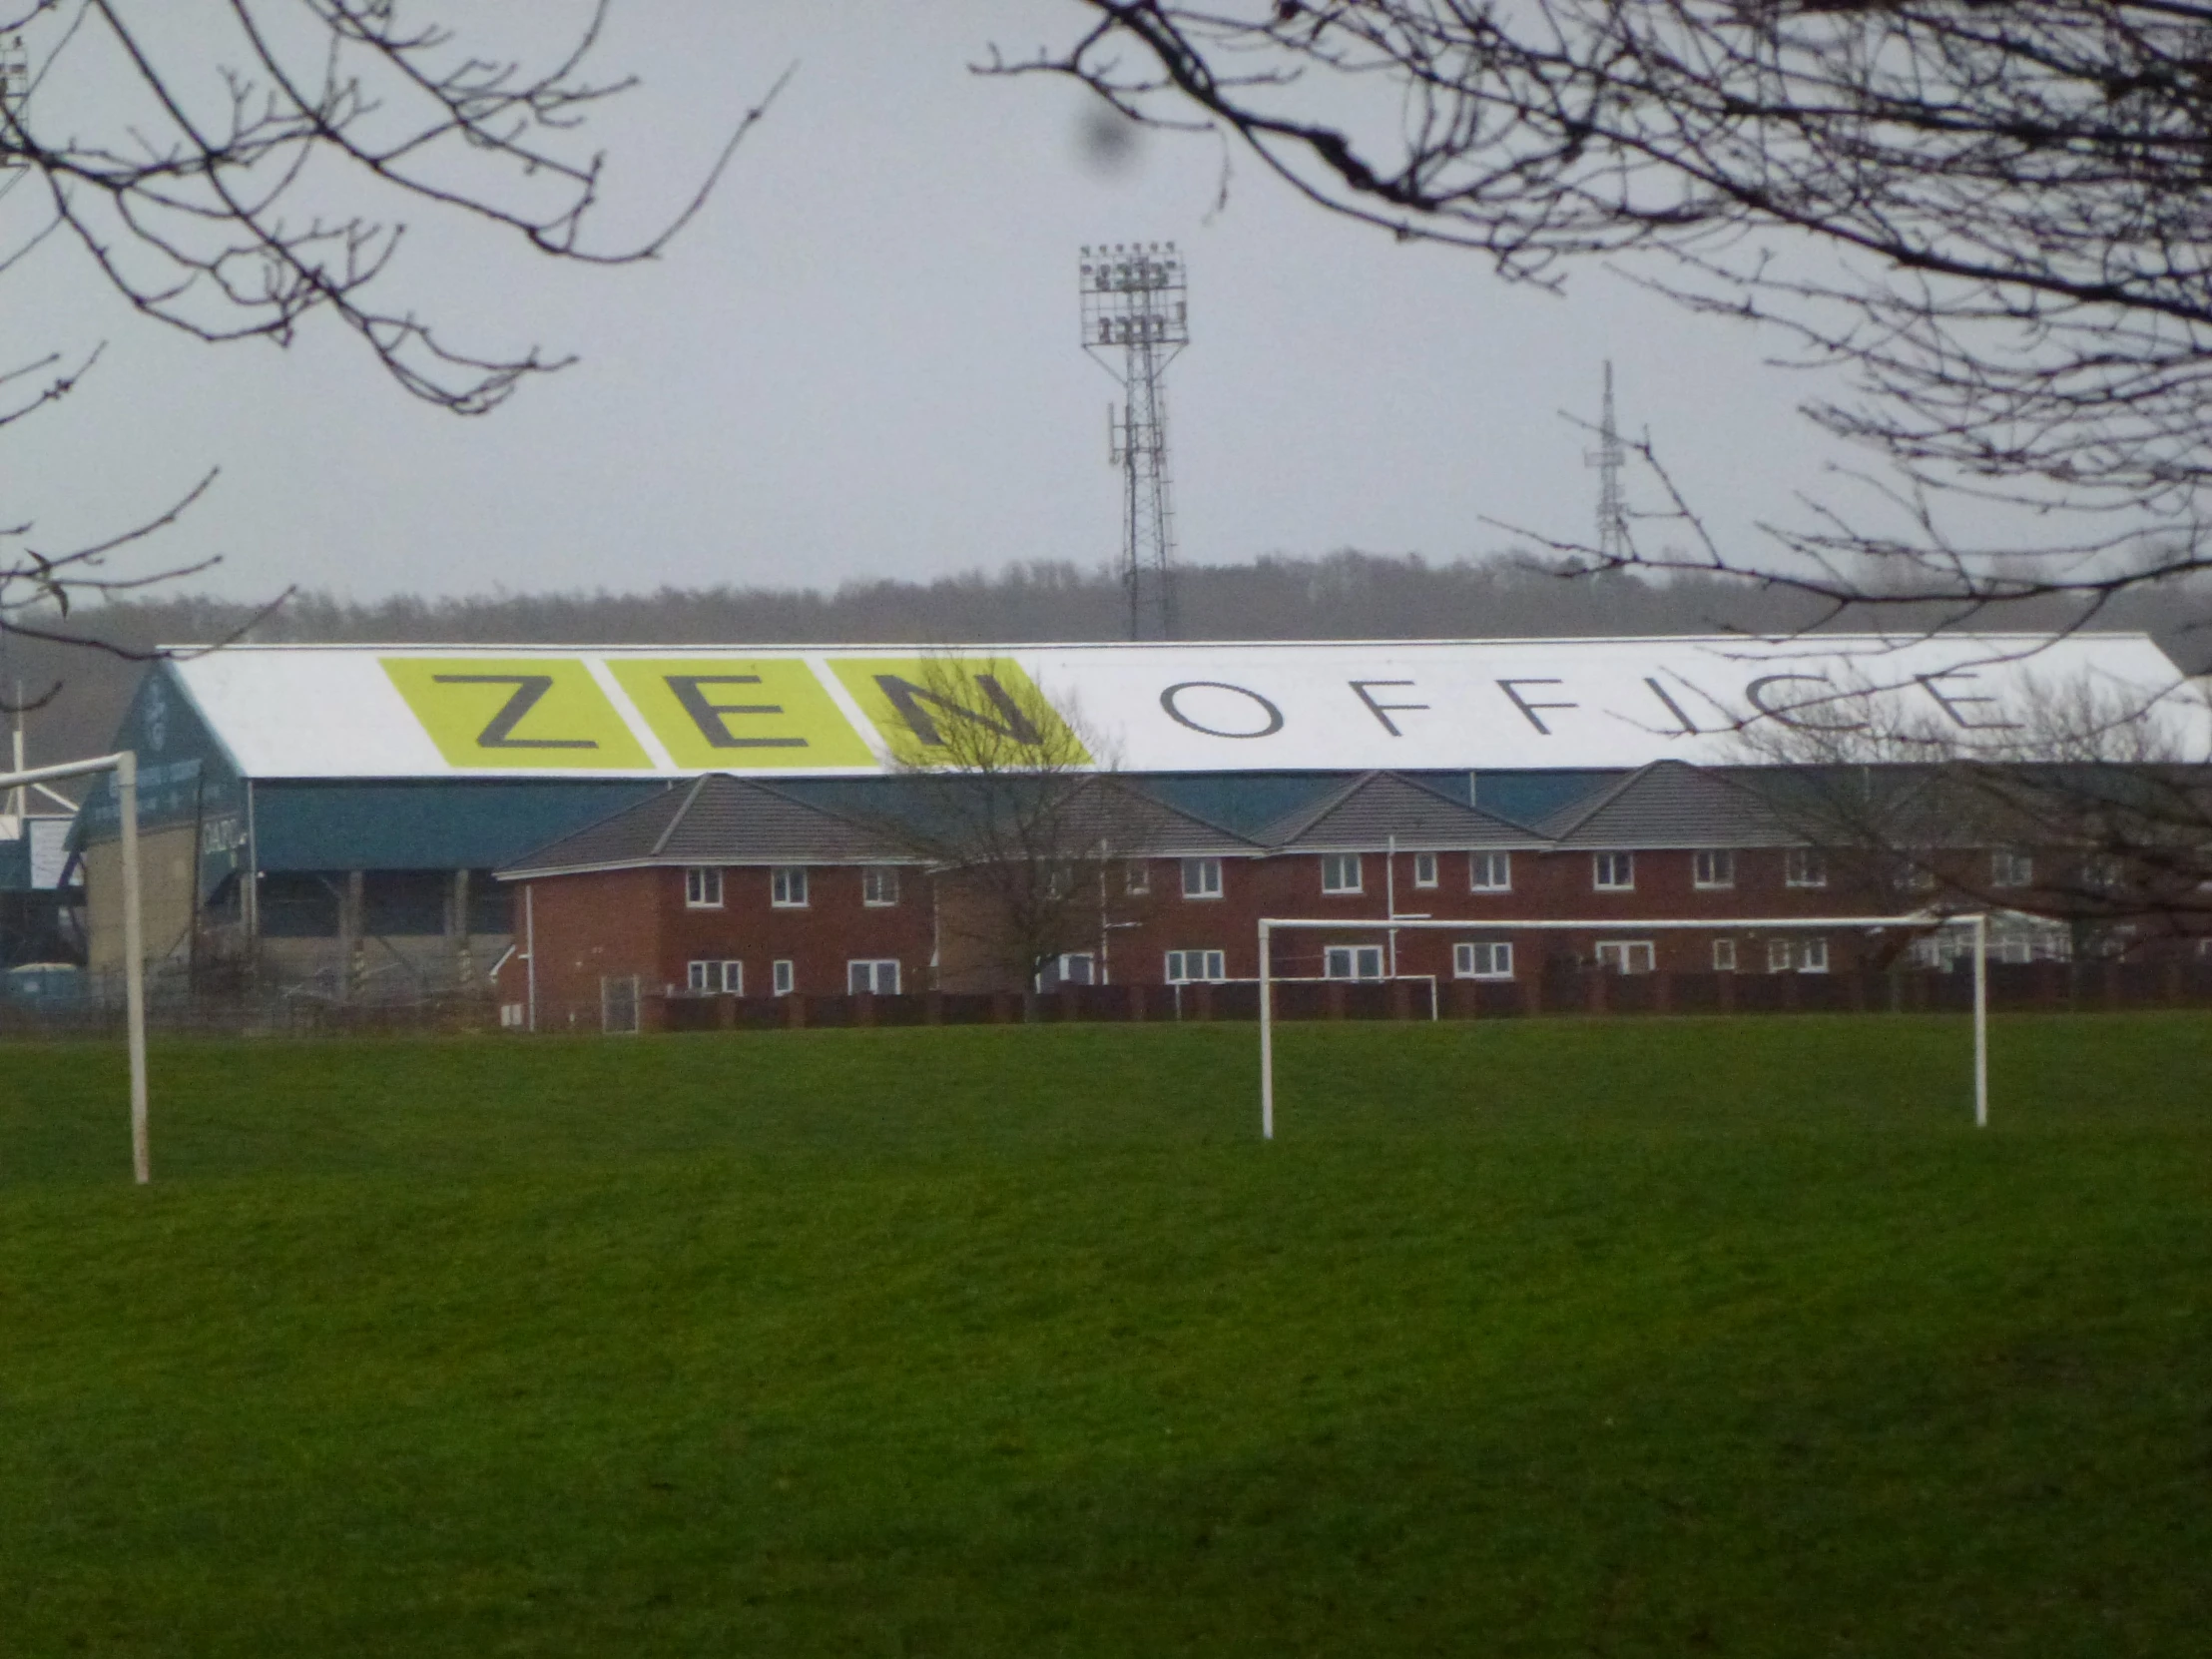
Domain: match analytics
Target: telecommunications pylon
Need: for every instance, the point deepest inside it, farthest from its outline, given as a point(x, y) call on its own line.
point(1610, 457)
point(1136, 320)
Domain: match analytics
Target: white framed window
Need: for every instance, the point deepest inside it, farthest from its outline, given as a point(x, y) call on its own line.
point(879, 885)
point(1201, 877)
point(1425, 870)
point(1714, 869)
point(1613, 871)
point(782, 975)
point(787, 886)
point(723, 977)
point(1723, 956)
point(1340, 872)
point(1352, 961)
point(2009, 868)
point(1490, 873)
point(879, 976)
point(1624, 955)
point(1803, 866)
point(1074, 967)
point(1184, 967)
point(1482, 959)
point(1920, 870)
point(1779, 955)
point(1136, 877)
point(2100, 872)
point(702, 888)
point(1812, 957)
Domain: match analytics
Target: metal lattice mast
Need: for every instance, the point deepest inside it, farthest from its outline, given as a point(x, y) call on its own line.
point(1610, 458)
point(15, 91)
point(1136, 320)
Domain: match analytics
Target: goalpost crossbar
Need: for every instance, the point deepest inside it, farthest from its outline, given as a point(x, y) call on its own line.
point(125, 766)
point(1269, 925)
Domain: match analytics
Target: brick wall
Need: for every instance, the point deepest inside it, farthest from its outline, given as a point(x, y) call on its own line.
point(617, 924)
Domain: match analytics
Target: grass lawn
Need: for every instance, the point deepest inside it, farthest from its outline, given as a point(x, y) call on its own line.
point(1549, 1338)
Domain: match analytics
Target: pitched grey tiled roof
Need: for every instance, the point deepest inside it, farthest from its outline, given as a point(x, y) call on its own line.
point(1669, 804)
point(715, 820)
point(1365, 813)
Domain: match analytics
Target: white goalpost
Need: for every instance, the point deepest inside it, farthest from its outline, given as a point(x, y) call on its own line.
point(125, 768)
point(1491, 926)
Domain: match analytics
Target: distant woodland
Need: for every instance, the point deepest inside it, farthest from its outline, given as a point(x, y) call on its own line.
point(1341, 596)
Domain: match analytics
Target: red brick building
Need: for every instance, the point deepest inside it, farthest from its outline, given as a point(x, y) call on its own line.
point(731, 887)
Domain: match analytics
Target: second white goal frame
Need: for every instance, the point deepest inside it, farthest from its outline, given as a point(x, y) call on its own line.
point(125, 766)
point(1269, 925)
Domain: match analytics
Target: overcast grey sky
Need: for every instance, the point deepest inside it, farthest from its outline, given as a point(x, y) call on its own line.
point(861, 361)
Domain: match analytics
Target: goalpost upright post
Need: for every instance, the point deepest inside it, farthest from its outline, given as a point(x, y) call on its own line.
point(125, 768)
point(1978, 920)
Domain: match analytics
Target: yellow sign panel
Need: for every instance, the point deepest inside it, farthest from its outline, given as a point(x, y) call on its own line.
point(533, 713)
point(741, 714)
point(960, 712)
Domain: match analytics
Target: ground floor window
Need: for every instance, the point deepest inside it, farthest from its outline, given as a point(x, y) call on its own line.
point(1723, 956)
point(1352, 961)
point(1482, 959)
point(1803, 956)
point(1076, 967)
point(1185, 966)
point(722, 977)
point(782, 976)
point(879, 977)
point(1625, 955)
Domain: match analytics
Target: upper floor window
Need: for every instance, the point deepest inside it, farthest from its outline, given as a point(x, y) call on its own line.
point(878, 884)
point(2011, 870)
point(1613, 871)
point(786, 886)
point(1201, 877)
point(1804, 867)
point(1136, 877)
point(1490, 872)
point(1715, 868)
point(2100, 872)
point(1340, 872)
point(703, 889)
point(1425, 870)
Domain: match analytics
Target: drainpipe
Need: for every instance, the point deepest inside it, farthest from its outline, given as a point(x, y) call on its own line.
point(530, 948)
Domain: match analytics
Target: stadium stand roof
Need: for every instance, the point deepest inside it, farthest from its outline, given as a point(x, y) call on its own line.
point(392, 713)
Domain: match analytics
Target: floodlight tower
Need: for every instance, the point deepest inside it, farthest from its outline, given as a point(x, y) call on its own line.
point(15, 88)
point(1136, 320)
point(1610, 457)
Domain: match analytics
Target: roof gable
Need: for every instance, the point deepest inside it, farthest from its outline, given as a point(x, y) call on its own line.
point(1669, 804)
point(1371, 811)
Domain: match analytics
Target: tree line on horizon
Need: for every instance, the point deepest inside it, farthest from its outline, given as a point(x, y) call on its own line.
point(1343, 595)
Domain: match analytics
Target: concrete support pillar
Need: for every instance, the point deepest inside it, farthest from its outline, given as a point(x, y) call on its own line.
point(456, 926)
point(351, 907)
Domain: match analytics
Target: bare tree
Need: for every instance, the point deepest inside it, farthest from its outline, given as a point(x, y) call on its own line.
point(1991, 217)
point(1019, 810)
point(237, 168)
point(2079, 805)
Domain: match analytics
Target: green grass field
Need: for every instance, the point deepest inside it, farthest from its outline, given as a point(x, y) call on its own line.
point(1623, 1337)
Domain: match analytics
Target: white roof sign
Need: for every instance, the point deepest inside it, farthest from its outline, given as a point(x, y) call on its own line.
point(409, 712)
